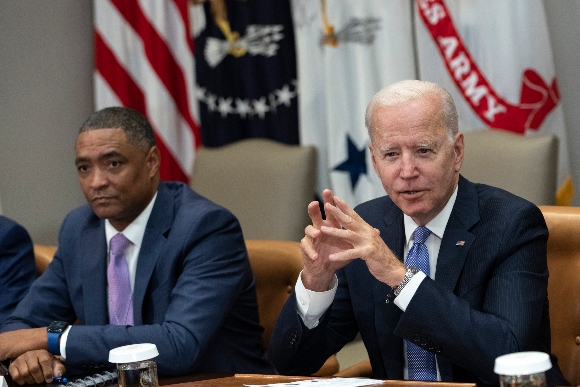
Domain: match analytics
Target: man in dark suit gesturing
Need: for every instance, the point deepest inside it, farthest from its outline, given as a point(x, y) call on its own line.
point(180, 279)
point(439, 277)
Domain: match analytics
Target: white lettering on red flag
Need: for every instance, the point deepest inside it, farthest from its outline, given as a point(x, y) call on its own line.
point(144, 60)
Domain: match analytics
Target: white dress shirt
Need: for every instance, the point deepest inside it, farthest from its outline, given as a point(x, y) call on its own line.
point(134, 232)
point(312, 305)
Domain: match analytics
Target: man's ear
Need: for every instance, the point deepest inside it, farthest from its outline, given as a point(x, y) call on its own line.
point(459, 149)
point(153, 161)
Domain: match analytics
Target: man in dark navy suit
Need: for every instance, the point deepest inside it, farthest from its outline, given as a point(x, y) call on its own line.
point(180, 279)
point(482, 291)
point(17, 267)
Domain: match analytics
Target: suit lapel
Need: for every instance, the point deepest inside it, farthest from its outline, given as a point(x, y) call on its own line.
point(154, 240)
point(457, 239)
point(94, 272)
point(455, 245)
point(387, 313)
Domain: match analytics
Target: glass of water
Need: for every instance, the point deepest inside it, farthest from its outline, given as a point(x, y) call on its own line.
point(136, 365)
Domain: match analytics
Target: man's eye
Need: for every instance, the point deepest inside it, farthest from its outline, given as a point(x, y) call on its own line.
point(390, 154)
point(423, 150)
point(114, 163)
point(82, 168)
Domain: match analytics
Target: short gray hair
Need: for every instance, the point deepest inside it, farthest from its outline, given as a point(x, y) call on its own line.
point(409, 90)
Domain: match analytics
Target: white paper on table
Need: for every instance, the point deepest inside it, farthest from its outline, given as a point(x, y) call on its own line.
point(3, 382)
point(332, 382)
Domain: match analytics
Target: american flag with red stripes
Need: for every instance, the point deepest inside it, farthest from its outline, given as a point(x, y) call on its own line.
point(144, 61)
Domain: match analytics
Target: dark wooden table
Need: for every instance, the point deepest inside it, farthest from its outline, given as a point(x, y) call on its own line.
point(239, 380)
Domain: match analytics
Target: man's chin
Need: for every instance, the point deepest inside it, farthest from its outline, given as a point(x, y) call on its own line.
point(414, 209)
point(104, 211)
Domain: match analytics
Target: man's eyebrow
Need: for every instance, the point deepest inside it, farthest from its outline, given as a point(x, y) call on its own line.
point(109, 155)
point(426, 144)
point(81, 159)
point(103, 156)
point(387, 148)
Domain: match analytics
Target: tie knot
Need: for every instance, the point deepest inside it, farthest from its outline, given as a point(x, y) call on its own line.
point(421, 234)
point(118, 244)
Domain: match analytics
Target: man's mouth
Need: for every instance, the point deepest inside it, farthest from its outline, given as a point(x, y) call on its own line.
point(102, 199)
point(410, 193)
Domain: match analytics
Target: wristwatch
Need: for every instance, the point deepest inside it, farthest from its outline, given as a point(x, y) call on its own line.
point(55, 330)
point(411, 271)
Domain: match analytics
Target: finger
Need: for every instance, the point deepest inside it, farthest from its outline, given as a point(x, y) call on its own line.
point(339, 233)
point(45, 372)
point(19, 372)
point(350, 219)
point(328, 198)
point(346, 209)
point(307, 249)
point(58, 369)
point(312, 232)
point(36, 371)
point(315, 214)
point(342, 219)
point(345, 255)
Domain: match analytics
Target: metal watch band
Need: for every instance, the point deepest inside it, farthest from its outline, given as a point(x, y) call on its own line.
point(411, 271)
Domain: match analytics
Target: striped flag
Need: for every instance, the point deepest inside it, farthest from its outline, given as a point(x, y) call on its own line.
point(144, 61)
point(495, 58)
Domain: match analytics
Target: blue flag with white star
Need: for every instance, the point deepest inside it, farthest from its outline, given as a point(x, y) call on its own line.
point(246, 71)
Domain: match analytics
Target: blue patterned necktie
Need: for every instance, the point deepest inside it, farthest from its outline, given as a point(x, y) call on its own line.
point(120, 294)
point(421, 363)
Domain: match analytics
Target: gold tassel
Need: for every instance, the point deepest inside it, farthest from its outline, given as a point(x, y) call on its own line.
point(220, 15)
point(329, 36)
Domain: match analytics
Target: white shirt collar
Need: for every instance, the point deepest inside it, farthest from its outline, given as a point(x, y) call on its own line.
point(135, 230)
point(436, 225)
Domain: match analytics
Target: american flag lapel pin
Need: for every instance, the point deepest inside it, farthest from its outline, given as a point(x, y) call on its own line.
point(460, 243)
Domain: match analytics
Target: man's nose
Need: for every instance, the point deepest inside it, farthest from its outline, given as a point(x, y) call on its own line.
point(408, 167)
point(98, 179)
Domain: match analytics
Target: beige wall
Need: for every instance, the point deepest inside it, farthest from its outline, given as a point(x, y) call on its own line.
point(46, 56)
point(46, 61)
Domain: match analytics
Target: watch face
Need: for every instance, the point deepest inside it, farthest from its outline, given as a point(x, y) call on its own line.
point(57, 326)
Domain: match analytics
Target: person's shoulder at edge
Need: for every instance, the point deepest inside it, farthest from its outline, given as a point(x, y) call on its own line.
point(8, 225)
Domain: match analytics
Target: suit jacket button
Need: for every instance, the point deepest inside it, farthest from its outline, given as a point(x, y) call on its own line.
point(416, 337)
point(423, 341)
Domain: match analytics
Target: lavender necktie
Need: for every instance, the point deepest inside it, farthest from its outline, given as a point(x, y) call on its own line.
point(421, 363)
point(120, 294)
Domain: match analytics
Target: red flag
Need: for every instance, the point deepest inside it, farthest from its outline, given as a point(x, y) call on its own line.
point(144, 61)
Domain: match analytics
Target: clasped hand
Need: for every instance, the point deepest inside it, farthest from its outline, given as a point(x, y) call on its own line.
point(343, 236)
point(32, 362)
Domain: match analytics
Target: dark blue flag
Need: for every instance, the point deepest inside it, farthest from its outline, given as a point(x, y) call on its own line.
point(246, 72)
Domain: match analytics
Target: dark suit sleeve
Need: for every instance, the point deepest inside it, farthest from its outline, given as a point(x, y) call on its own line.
point(298, 350)
point(212, 271)
point(48, 299)
point(17, 267)
point(497, 304)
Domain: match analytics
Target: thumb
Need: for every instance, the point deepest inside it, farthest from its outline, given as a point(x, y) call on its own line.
point(58, 369)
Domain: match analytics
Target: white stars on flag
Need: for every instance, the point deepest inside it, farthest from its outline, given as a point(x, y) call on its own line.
point(248, 107)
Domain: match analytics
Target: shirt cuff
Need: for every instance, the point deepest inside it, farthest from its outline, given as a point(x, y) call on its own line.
point(312, 305)
point(404, 298)
point(63, 338)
